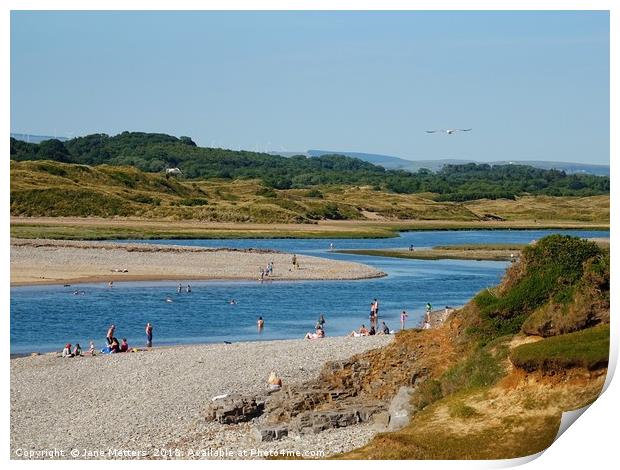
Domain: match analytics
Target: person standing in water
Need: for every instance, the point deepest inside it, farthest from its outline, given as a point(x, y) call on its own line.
point(188, 289)
point(179, 288)
point(321, 322)
point(149, 335)
point(260, 324)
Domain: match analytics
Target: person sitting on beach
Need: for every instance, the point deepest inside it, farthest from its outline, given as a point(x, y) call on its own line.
point(66, 352)
point(124, 346)
point(372, 331)
point(274, 382)
point(77, 351)
point(427, 325)
point(91, 349)
point(385, 330)
point(363, 331)
point(114, 346)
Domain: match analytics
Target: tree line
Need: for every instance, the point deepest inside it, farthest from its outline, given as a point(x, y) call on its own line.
point(155, 152)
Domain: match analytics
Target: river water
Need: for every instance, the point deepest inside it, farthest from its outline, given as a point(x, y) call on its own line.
point(44, 318)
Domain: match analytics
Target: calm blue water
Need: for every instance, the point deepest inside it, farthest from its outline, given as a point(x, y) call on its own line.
point(44, 318)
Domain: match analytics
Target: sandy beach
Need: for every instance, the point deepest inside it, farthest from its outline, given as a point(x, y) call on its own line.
point(60, 261)
point(144, 401)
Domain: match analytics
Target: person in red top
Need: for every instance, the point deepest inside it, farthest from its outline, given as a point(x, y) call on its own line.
point(124, 345)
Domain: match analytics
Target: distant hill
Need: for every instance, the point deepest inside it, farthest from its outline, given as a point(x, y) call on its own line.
point(395, 163)
point(35, 139)
point(153, 153)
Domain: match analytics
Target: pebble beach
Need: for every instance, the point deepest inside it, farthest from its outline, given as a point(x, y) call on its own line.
point(149, 404)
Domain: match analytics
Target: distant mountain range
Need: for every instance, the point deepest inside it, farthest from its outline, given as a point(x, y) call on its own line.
point(396, 163)
point(35, 139)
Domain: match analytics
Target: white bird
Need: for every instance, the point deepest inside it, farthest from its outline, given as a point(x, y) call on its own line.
point(448, 131)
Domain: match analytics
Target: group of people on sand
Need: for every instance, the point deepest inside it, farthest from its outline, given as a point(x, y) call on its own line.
point(319, 329)
point(295, 262)
point(267, 271)
point(363, 331)
point(76, 351)
point(113, 345)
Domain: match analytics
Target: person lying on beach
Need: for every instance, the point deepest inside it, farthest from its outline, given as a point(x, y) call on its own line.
point(274, 382)
point(319, 333)
point(363, 331)
point(77, 351)
point(124, 346)
point(66, 352)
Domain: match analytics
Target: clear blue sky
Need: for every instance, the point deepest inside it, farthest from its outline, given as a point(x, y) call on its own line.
point(532, 85)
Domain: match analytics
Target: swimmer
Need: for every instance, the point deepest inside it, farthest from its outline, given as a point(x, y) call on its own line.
point(169, 300)
point(232, 302)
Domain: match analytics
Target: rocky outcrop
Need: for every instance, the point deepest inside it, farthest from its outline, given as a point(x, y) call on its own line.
point(235, 409)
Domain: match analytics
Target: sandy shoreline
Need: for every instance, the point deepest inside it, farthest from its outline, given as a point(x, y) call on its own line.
point(60, 261)
point(152, 400)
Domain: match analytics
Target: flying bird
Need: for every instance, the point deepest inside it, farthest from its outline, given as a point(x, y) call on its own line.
point(448, 131)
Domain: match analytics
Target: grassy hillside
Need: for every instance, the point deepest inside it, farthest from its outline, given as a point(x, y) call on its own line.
point(155, 152)
point(503, 393)
point(53, 189)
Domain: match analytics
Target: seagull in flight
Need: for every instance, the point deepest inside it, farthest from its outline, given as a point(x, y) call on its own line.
point(448, 131)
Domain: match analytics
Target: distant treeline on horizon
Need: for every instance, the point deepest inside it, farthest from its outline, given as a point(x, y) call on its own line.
point(155, 152)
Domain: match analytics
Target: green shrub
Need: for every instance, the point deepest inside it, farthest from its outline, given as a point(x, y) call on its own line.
point(193, 201)
point(314, 193)
point(587, 348)
point(552, 268)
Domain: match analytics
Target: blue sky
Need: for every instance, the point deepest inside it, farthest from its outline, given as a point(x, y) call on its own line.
point(532, 85)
